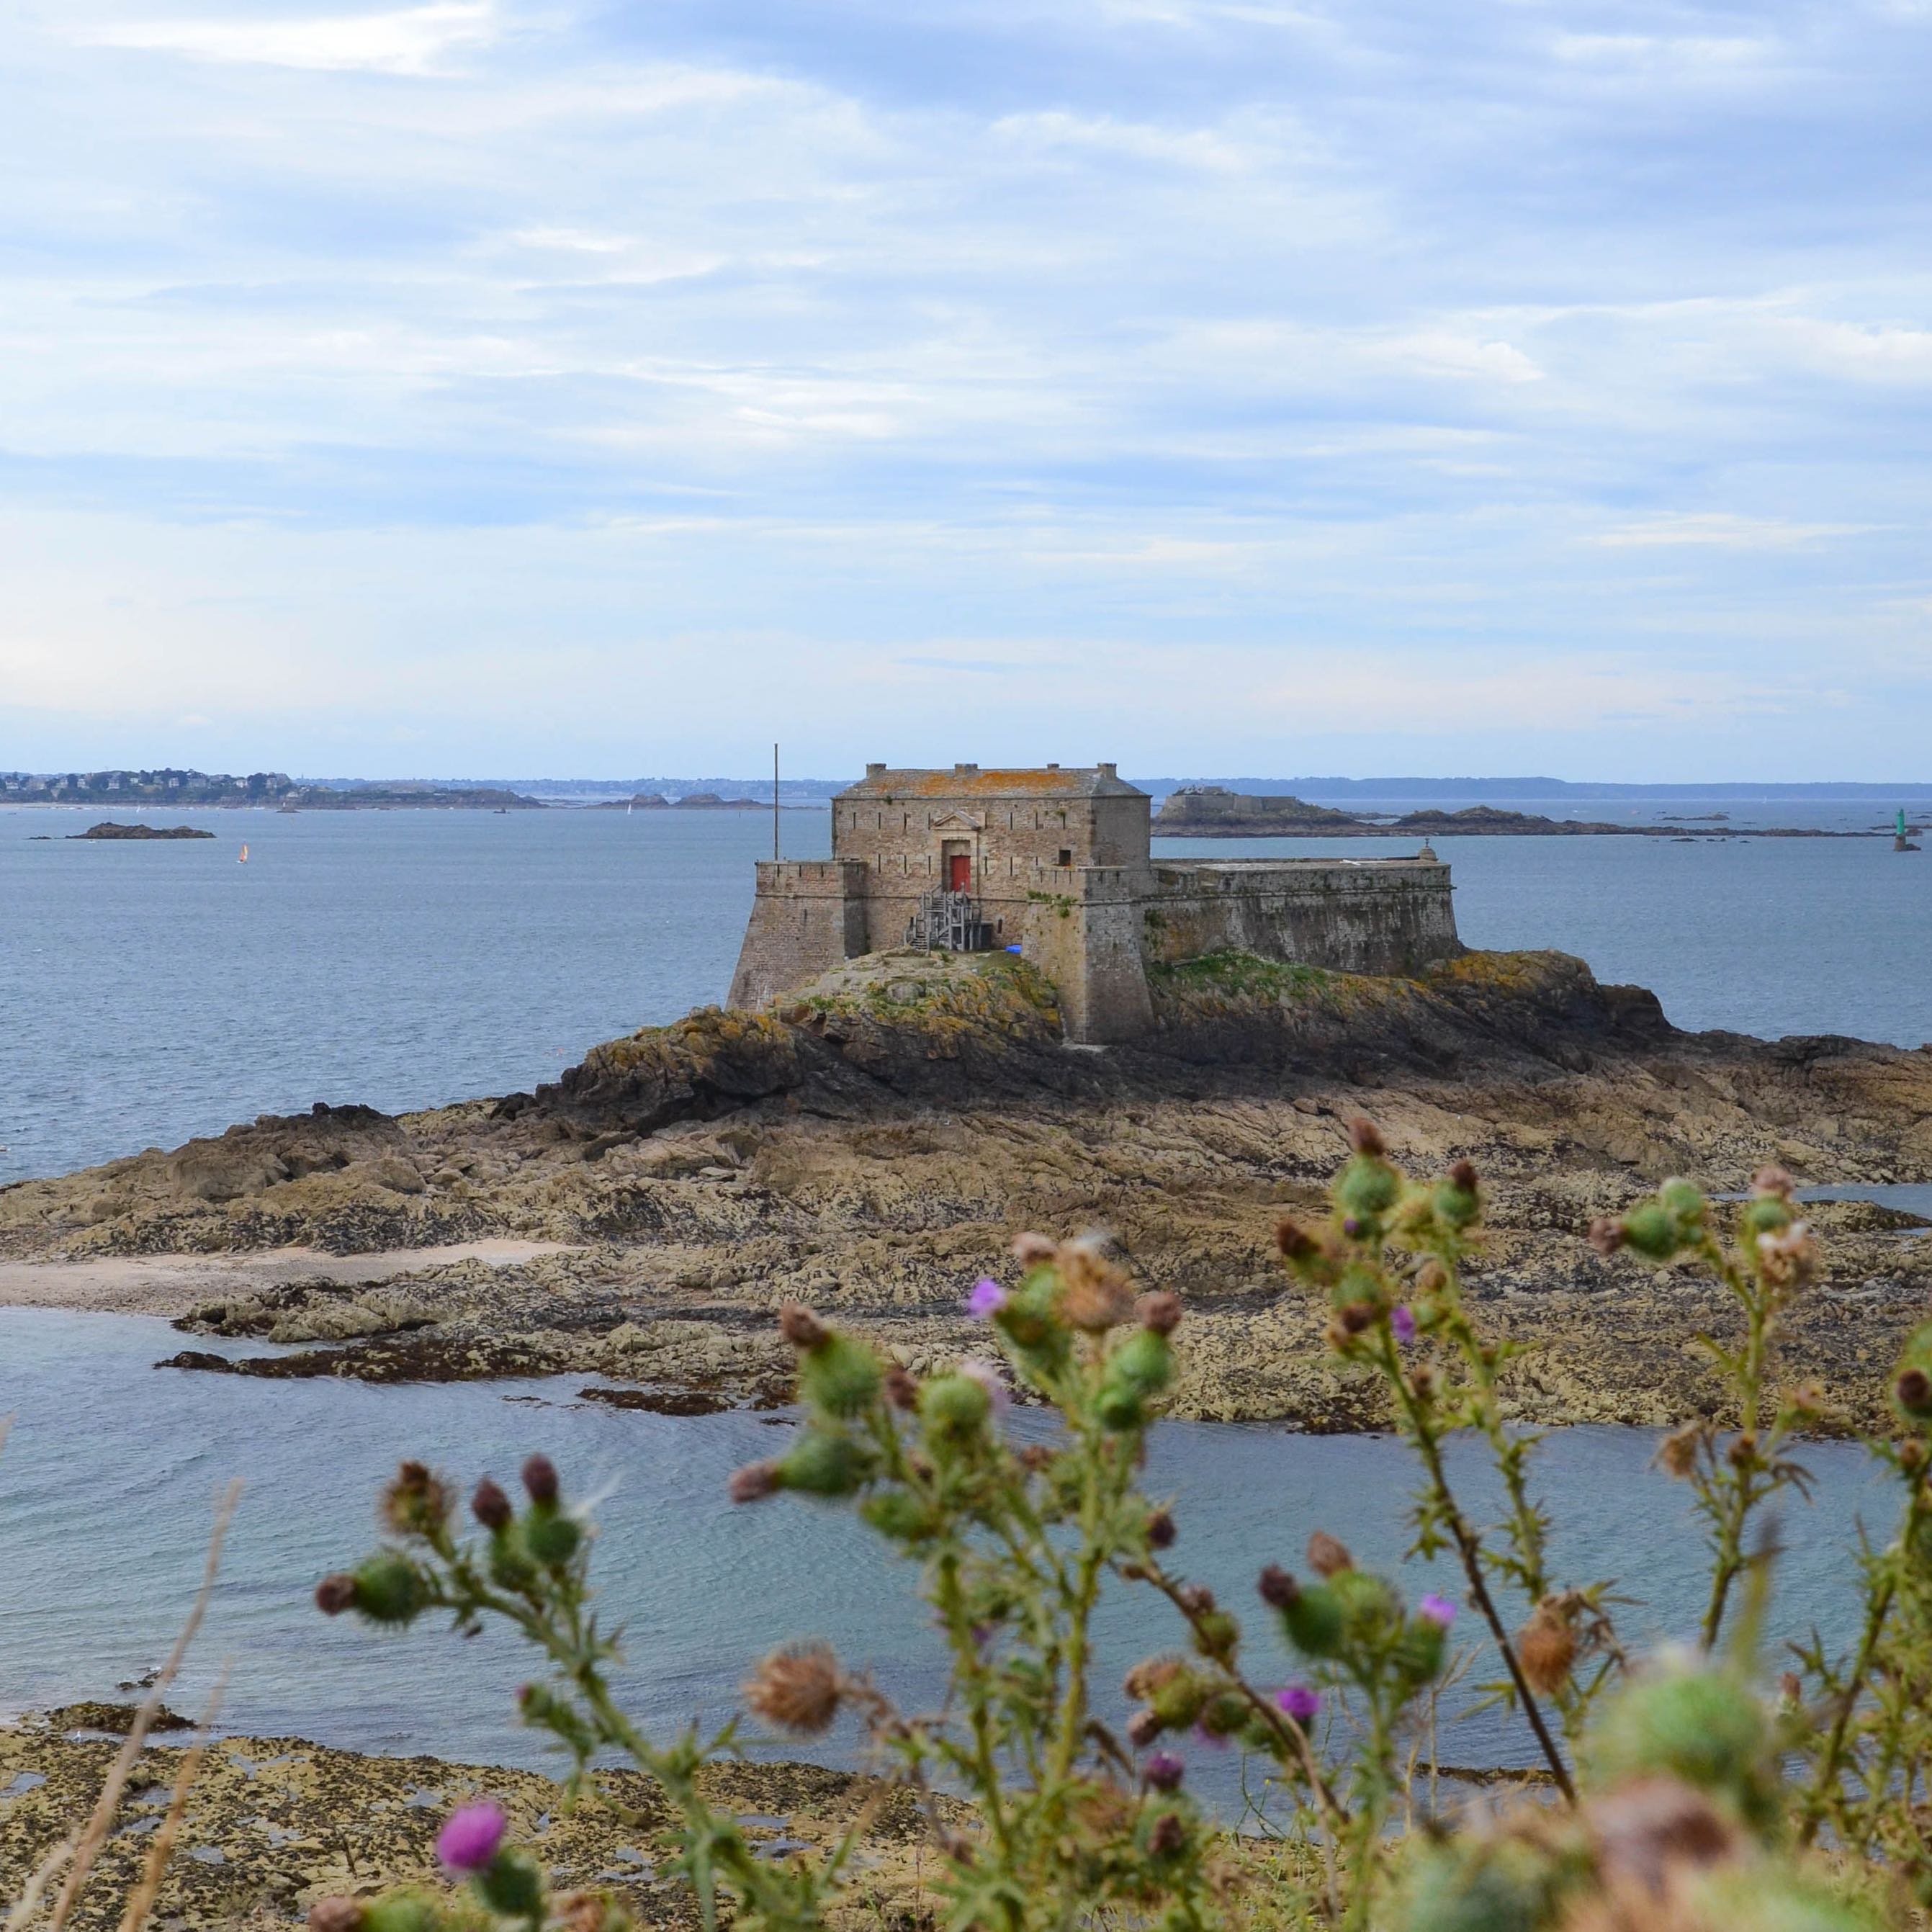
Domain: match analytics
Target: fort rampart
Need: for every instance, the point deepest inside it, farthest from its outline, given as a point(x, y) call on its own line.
point(1058, 863)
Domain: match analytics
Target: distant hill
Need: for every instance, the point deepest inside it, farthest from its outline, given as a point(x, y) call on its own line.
point(170, 786)
point(1214, 811)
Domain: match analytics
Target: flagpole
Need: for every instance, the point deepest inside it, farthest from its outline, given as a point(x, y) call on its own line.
point(775, 804)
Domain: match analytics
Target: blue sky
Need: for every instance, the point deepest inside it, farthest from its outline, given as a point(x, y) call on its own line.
point(1213, 385)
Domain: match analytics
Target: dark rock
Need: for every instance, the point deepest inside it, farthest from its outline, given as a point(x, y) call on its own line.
point(107, 829)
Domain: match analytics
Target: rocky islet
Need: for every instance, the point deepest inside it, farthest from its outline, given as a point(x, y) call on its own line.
point(873, 1146)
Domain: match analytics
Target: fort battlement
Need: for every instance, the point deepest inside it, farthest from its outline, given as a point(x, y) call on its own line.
point(1057, 861)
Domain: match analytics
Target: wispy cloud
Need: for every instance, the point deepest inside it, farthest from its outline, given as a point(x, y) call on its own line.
point(1208, 377)
point(1715, 529)
point(408, 40)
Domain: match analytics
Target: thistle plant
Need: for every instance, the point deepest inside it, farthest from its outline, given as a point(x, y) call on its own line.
point(1390, 1263)
point(1678, 1809)
point(1772, 1258)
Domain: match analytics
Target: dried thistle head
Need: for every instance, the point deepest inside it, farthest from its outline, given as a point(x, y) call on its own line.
point(1159, 1311)
point(798, 1688)
point(800, 1326)
point(1546, 1648)
point(1294, 1240)
point(1789, 1257)
point(1463, 1174)
point(901, 1386)
point(1772, 1180)
point(1033, 1251)
point(415, 1501)
point(1149, 1675)
point(1328, 1555)
point(1654, 1830)
point(335, 1914)
point(1097, 1296)
point(755, 1482)
point(1677, 1453)
point(1605, 1235)
point(1365, 1137)
point(335, 1593)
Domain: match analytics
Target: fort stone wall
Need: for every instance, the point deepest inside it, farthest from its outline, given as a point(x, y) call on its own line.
point(1350, 915)
point(809, 915)
point(1057, 862)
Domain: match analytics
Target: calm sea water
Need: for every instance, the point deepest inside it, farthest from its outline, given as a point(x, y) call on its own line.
point(148, 992)
point(106, 1483)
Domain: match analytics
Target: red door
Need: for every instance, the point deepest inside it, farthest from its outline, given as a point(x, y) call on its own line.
point(959, 872)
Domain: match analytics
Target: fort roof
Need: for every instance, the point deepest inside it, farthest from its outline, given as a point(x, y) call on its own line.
point(970, 781)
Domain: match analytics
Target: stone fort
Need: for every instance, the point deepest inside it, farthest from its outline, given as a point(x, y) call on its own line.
point(1056, 863)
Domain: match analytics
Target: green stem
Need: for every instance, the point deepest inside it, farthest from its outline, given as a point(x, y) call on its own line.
point(1818, 1799)
point(1469, 1547)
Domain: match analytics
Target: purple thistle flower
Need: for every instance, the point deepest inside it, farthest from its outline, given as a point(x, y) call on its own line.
point(1438, 1610)
point(1352, 1227)
point(987, 1299)
point(1164, 1771)
point(469, 1841)
point(1402, 1319)
point(1300, 1703)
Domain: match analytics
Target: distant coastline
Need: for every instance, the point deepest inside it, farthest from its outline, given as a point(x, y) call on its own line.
point(1213, 811)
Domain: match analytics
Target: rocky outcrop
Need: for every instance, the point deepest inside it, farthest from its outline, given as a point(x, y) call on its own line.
point(108, 829)
point(874, 1146)
point(273, 1824)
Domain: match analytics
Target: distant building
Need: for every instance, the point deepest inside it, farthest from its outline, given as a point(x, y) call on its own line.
point(1057, 861)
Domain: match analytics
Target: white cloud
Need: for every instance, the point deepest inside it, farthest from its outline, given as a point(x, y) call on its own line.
point(1717, 530)
point(410, 40)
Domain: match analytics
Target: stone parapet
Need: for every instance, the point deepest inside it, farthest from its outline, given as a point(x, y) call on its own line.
point(809, 914)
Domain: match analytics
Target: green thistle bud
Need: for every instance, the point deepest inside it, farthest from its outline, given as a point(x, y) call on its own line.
point(1701, 1725)
point(1119, 1409)
point(551, 1536)
point(512, 1885)
point(1224, 1716)
point(406, 1911)
point(1358, 1286)
point(1421, 1650)
point(510, 1564)
point(1684, 1203)
point(1767, 1215)
point(1365, 1601)
point(1143, 1363)
point(840, 1377)
point(1313, 1620)
point(1179, 1700)
point(1651, 1232)
point(1367, 1187)
point(1216, 1634)
point(1031, 1314)
point(1455, 1207)
point(390, 1589)
point(1912, 1381)
point(954, 1408)
point(822, 1464)
point(1473, 1883)
point(899, 1514)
